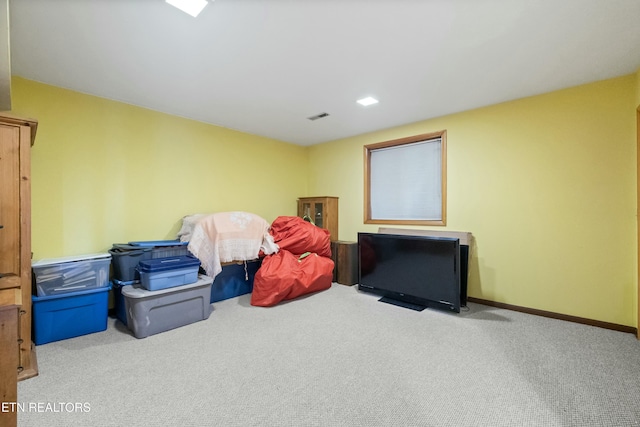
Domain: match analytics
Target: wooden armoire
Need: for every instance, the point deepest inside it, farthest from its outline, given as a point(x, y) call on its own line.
point(17, 355)
point(321, 211)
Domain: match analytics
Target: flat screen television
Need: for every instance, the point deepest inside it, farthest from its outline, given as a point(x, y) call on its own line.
point(411, 271)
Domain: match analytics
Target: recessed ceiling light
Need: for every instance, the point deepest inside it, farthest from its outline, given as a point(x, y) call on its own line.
point(367, 101)
point(192, 7)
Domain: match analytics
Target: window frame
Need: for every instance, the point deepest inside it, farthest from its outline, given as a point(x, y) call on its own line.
point(368, 149)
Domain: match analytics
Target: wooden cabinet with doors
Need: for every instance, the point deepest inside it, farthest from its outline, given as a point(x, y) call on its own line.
point(322, 211)
point(8, 362)
point(16, 137)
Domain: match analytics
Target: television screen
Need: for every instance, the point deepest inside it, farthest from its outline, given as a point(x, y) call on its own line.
point(413, 271)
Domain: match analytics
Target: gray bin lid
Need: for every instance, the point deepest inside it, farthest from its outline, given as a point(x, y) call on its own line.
point(137, 291)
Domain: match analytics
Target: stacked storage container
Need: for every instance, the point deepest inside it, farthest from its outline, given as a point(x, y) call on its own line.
point(152, 312)
point(125, 262)
point(170, 293)
point(125, 272)
point(71, 297)
point(163, 273)
point(127, 257)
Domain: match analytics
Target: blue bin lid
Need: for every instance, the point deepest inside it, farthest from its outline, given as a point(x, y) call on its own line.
point(169, 263)
point(155, 243)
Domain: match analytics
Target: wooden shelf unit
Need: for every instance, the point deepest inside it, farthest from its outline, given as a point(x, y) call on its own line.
point(323, 211)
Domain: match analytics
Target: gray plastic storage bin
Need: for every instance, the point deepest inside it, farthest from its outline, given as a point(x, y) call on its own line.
point(163, 248)
point(126, 259)
point(152, 312)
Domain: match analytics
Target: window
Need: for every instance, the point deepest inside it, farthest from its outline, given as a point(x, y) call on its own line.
point(405, 181)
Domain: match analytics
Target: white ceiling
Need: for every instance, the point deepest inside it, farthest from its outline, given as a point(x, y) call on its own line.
point(264, 66)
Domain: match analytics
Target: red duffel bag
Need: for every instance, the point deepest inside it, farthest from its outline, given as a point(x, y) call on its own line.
point(298, 236)
point(284, 276)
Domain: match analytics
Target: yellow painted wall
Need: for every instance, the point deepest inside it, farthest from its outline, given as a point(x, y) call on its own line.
point(106, 172)
point(546, 184)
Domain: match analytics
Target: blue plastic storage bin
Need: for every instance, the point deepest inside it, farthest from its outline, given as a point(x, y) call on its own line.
point(59, 317)
point(162, 273)
point(119, 305)
point(234, 280)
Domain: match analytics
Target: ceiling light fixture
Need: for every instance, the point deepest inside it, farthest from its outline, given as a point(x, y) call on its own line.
point(367, 101)
point(192, 7)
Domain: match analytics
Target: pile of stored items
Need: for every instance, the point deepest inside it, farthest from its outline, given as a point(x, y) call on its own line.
point(165, 284)
point(291, 257)
point(157, 286)
point(301, 266)
point(70, 296)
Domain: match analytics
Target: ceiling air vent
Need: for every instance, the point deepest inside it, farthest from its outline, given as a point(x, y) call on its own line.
point(318, 116)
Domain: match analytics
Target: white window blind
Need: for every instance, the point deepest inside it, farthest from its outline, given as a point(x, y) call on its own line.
point(406, 181)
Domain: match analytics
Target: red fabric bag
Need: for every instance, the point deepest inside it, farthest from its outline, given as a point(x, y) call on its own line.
point(284, 276)
point(298, 236)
